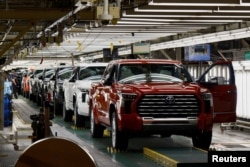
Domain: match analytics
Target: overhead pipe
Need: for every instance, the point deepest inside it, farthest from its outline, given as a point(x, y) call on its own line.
point(105, 16)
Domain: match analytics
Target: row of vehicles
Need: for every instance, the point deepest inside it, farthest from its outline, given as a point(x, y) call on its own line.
point(65, 88)
point(147, 97)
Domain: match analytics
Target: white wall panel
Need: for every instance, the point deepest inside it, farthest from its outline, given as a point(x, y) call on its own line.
point(240, 102)
point(242, 77)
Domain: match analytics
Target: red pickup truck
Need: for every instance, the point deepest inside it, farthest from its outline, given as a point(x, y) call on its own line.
point(155, 96)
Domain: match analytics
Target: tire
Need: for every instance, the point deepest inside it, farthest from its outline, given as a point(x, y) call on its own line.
point(95, 129)
point(38, 100)
point(119, 138)
point(67, 114)
point(30, 97)
point(79, 119)
point(202, 139)
point(34, 98)
point(57, 108)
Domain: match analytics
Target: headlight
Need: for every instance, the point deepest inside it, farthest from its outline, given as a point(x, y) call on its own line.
point(83, 90)
point(128, 96)
point(207, 96)
point(208, 101)
point(125, 101)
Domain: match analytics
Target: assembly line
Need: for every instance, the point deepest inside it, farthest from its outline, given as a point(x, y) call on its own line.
point(124, 83)
point(51, 90)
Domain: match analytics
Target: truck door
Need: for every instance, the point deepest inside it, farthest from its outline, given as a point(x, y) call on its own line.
point(220, 80)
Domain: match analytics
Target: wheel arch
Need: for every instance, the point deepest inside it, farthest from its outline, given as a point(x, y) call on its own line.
point(74, 99)
point(112, 109)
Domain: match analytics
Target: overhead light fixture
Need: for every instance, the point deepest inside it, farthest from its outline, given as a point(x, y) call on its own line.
point(231, 11)
point(186, 16)
point(207, 38)
point(198, 4)
point(169, 11)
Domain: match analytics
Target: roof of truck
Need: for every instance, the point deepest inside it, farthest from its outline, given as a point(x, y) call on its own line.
point(144, 61)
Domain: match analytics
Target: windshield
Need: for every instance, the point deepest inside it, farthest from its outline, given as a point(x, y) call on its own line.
point(49, 73)
point(65, 74)
point(91, 73)
point(132, 73)
point(37, 73)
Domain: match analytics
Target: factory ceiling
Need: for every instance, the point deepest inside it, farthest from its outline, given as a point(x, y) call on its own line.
point(59, 29)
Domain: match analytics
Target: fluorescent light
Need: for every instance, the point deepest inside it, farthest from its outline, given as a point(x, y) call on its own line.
point(207, 38)
point(169, 10)
point(198, 4)
point(231, 11)
point(190, 11)
point(178, 21)
point(185, 16)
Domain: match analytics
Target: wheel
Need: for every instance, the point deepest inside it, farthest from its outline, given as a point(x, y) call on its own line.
point(57, 108)
point(38, 100)
point(119, 138)
point(67, 114)
point(16, 147)
point(202, 139)
point(95, 129)
point(79, 119)
point(33, 97)
point(30, 97)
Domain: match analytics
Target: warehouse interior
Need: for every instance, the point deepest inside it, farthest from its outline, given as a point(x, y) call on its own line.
point(48, 33)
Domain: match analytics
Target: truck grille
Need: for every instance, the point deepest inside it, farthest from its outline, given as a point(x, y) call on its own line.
point(168, 106)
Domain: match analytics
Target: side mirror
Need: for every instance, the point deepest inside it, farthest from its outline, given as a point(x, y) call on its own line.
point(108, 82)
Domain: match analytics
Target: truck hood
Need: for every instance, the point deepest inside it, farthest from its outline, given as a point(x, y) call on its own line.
point(147, 88)
point(85, 84)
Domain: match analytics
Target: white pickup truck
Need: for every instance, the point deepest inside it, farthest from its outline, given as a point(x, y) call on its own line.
point(76, 91)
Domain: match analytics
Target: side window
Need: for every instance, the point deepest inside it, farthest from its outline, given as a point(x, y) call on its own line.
point(89, 72)
point(65, 75)
point(219, 75)
point(83, 73)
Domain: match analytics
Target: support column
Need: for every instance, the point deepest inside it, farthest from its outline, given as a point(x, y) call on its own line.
point(178, 53)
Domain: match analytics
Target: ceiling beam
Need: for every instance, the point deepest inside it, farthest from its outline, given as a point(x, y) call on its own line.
point(19, 28)
point(86, 15)
point(18, 37)
point(38, 14)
